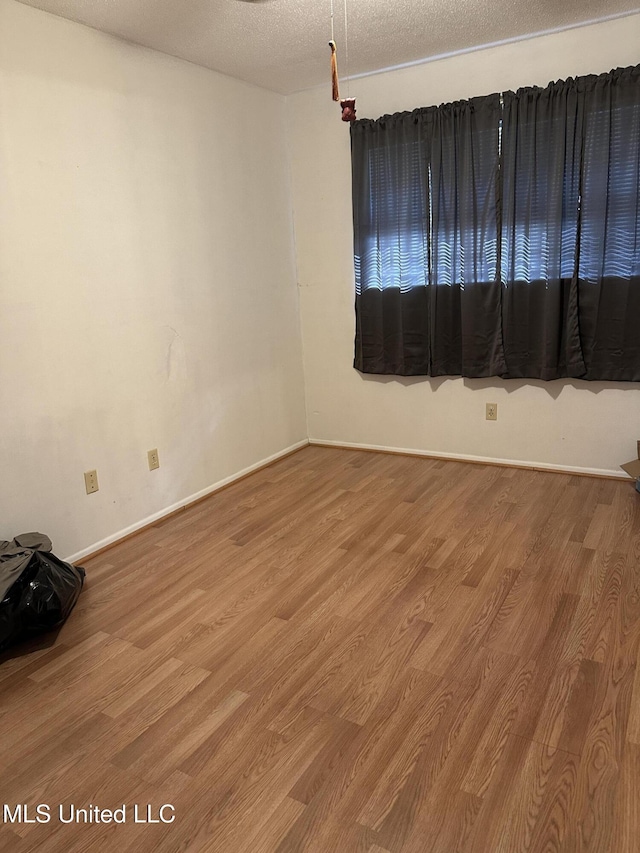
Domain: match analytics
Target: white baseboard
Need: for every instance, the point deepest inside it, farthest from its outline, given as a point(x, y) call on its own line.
point(427, 454)
point(464, 457)
point(144, 522)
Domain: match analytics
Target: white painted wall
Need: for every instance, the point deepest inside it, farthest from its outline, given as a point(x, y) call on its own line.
point(563, 423)
point(147, 280)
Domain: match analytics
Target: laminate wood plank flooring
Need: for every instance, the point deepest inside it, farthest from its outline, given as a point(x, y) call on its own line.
point(346, 652)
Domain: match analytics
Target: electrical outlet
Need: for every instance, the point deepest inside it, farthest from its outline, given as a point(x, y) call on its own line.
point(154, 459)
point(492, 411)
point(91, 481)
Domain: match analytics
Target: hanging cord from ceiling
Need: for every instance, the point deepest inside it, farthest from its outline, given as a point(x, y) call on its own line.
point(346, 44)
point(347, 104)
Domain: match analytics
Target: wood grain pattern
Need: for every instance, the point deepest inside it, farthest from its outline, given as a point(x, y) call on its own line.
point(347, 652)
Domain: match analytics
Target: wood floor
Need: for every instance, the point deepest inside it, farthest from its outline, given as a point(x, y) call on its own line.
point(347, 653)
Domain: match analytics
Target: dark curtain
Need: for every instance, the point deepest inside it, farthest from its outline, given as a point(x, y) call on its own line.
point(391, 212)
point(464, 274)
point(540, 163)
point(609, 256)
point(501, 235)
point(425, 208)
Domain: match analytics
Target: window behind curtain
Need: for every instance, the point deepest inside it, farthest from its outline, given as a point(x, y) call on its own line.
point(391, 241)
point(464, 171)
point(501, 236)
point(609, 244)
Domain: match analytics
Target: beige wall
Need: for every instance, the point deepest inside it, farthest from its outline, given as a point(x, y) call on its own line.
point(147, 280)
point(588, 426)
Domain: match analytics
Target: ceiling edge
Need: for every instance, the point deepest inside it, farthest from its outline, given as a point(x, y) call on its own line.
point(476, 48)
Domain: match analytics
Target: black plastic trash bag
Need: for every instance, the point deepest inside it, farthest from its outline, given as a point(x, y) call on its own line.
point(37, 590)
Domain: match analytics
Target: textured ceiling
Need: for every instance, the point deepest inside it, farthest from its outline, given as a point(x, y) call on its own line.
point(282, 44)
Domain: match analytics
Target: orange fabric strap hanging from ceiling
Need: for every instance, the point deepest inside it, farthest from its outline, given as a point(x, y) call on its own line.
point(348, 105)
point(335, 89)
point(335, 86)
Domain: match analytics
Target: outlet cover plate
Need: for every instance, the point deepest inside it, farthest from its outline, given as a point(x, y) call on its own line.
point(91, 482)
